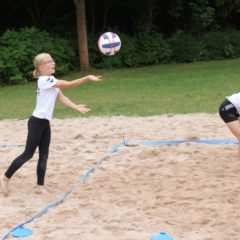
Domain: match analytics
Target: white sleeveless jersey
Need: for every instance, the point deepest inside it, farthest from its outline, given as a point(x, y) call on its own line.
point(235, 100)
point(46, 97)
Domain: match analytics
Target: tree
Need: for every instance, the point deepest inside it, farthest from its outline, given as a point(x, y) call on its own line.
point(82, 34)
point(202, 15)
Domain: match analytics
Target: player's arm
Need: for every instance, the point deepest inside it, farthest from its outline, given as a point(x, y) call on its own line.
point(67, 102)
point(77, 82)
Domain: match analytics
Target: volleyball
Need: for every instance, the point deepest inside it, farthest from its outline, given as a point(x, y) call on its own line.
point(109, 43)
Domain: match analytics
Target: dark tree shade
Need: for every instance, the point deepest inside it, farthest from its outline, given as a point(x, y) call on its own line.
point(50, 15)
point(127, 16)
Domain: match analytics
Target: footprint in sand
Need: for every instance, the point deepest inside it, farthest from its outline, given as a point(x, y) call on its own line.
point(78, 136)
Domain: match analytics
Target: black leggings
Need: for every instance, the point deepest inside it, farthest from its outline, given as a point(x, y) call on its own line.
point(39, 135)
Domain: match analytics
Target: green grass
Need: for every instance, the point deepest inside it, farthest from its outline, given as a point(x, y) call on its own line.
point(163, 89)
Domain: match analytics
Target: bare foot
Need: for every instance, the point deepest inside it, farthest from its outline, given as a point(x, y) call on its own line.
point(41, 190)
point(4, 185)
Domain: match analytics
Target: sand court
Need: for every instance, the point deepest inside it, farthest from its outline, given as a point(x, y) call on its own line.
point(189, 190)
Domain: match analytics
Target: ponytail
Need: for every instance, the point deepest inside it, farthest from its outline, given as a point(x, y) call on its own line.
point(35, 73)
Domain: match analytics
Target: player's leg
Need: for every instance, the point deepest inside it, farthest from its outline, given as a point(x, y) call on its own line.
point(33, 138)
point(235, 129)
point(4, 184)
point(43, 157)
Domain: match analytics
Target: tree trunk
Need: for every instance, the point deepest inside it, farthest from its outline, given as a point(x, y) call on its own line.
point(82, 34)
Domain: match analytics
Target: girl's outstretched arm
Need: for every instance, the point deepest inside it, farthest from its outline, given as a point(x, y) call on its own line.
point(67, 102)
point(77, 82)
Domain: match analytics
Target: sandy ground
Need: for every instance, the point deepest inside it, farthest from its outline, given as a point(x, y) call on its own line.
point(190, 190)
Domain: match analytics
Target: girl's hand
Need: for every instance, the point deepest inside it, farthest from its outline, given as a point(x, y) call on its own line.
point(94, 78)
point(82, 108)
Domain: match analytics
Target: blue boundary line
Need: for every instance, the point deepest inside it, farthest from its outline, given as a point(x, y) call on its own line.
point(174, 142)
point(113, 150)
point(83, 179)
point(11, 145)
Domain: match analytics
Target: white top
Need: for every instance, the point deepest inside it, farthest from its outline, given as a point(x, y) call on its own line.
point(46, 97)
point(235, 100)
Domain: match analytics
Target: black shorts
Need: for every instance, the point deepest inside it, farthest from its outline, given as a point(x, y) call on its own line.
point(228, 112)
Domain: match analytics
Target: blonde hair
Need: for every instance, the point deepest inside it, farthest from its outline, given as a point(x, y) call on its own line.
point(38, 60)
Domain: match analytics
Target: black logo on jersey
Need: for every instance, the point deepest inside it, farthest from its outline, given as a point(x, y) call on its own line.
point(50, 80)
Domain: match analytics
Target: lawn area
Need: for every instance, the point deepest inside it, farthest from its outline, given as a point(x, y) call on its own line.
point(162, 89)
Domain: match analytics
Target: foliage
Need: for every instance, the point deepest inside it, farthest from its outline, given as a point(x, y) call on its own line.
point(220, 45)
point(152, 49)
point(214, 45)
point(185, 47)
point(217, 45)
point(202, 16)
point(141, 50)
point(129, 51)
point(18, 48)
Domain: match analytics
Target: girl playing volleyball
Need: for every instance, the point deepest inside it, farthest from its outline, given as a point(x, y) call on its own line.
point(39, 131)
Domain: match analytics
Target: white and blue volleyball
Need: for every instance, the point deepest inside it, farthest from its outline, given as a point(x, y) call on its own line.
point(109, 43)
